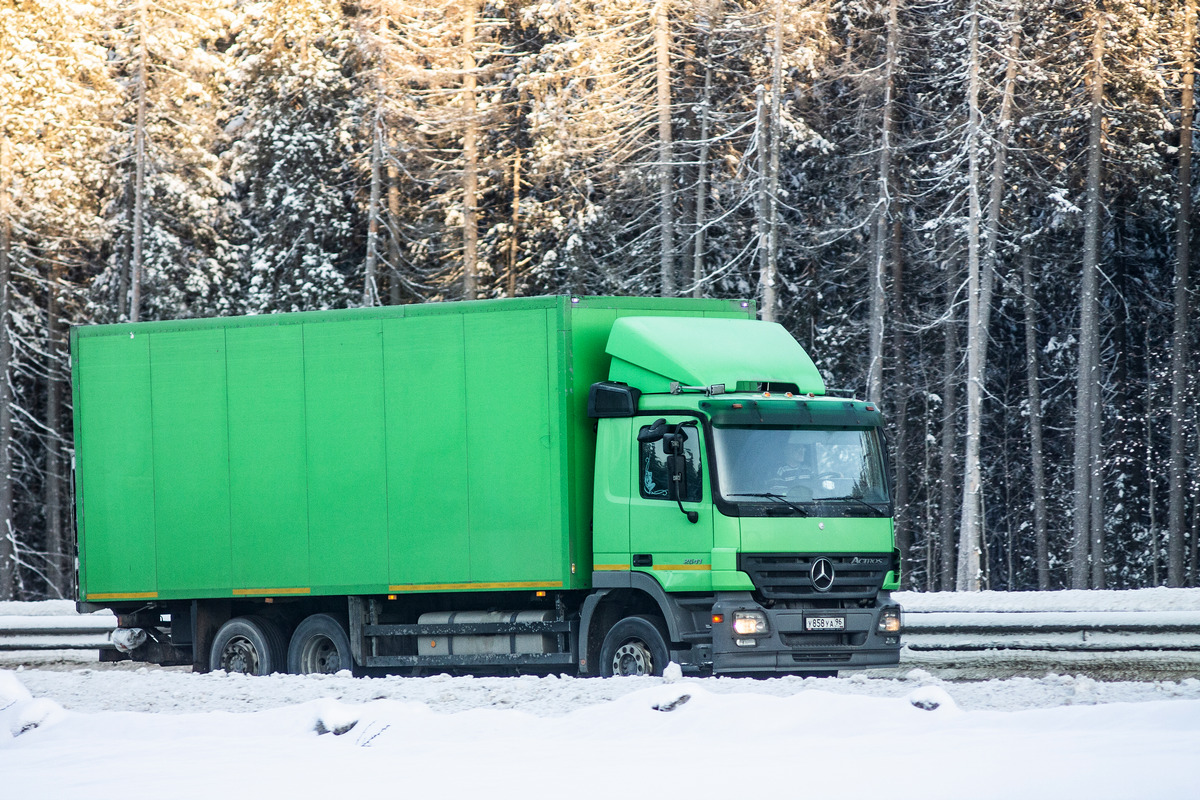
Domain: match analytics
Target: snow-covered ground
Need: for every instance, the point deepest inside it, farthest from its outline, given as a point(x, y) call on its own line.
point(92, 733)
point(78, 730)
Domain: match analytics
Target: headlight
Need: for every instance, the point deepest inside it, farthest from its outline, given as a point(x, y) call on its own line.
point(889, 620)
point(750, 623)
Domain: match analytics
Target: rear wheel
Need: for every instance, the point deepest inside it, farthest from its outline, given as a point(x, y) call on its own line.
point(320, 645)
point(250, 645)
point(635, 646)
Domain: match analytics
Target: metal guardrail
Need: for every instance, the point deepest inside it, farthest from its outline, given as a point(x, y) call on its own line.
point(1052, 631)
point(56, 633)
point(924, 631)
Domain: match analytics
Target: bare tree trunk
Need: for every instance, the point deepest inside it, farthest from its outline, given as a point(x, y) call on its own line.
point(931, 540)
point(470, 159)
point(370, 279)
point(970, 525)
point(393, 203)
point(1036, 450)
point(1010, 568)
point(139, 185)
point(767, 309)
point(513, 239)
point(771, 279)
point(8, 552)
point(1087, 402)
point(1179, 338)
point(1151, 466)
point(1194, 558)
point(981, 260)
point(902, 523)
point(666, 200)
point(702, 169)
point(52, 493)
point(949, 437)
point(883, 208)
point(125, 249)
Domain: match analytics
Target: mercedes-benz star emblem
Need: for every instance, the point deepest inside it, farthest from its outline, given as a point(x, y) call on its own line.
point(822, 574)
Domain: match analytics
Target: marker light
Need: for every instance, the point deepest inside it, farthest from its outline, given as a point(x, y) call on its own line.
point(718, 619)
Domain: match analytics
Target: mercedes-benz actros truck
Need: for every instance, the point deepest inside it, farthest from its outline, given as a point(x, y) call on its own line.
point(596, 485)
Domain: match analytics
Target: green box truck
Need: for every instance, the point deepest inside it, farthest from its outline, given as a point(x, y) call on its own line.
point(587, 484)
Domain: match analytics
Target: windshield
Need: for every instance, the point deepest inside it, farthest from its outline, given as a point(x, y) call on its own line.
point(799, 464)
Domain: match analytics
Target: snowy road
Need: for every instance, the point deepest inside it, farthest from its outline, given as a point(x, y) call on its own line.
point(1143, 635)
point(175, 690)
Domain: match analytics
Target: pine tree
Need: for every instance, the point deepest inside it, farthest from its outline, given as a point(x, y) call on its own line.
point(292, 160)
point(53, 78)
point(165, 198)
point(1180, 333)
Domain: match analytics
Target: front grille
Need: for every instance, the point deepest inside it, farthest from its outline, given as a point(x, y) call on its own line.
point(821, 658)
point(823, 639)
point(779, 576)
point(813, 639)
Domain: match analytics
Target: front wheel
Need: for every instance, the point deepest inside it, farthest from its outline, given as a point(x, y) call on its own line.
point(320, 646)
point(250, 645)
point(635, 646)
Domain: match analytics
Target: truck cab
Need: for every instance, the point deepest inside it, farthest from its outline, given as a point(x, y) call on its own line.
point(742, 517)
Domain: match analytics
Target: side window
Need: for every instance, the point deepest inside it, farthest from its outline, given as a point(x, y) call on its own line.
point(655, 479)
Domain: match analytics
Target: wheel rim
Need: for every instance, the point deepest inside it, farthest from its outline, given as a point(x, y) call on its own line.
point(633, 658)
point(240, 655)
point(320, 655)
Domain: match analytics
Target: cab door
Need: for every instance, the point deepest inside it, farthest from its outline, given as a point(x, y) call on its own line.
point(662, 541)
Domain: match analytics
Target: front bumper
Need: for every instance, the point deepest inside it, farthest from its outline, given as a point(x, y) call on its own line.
point(789, 648)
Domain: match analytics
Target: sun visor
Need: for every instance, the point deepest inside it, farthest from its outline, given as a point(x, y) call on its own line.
point(651, 352)
point(786, 412)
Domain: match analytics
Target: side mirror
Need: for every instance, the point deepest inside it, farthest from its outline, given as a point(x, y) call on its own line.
point(677, 467)
point(656, 431)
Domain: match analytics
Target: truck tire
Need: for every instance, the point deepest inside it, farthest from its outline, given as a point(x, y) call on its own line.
point(320, 645)
point(250, 645)
point(635, 646)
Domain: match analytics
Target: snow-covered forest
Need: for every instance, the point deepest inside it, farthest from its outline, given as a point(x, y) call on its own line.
point(975, 212)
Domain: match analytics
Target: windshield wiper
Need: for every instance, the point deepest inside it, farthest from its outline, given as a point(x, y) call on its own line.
point(776, 497)
point(879, 512)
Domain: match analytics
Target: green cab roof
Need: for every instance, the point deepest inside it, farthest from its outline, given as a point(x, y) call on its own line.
point(651, 352)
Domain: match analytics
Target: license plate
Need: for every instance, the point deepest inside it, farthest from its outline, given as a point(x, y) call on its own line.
point(824, 623)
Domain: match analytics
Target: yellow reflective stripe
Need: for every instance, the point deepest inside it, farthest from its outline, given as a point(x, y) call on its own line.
point(290, 590)
point(683, 566)
point(610, 567)
point(426, 587)
point(123, 596)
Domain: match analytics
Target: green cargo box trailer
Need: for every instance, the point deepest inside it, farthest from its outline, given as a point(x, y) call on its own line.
point(586, 484)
